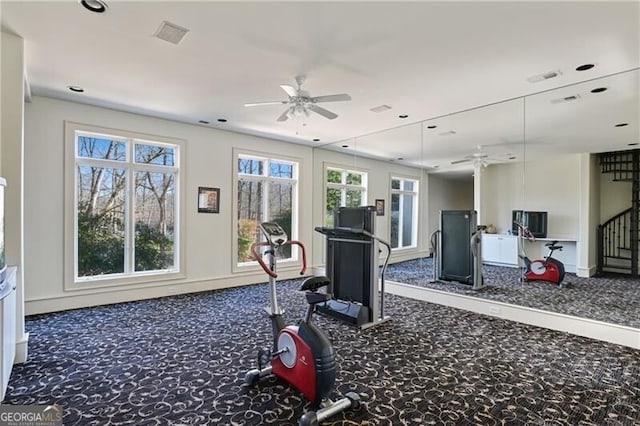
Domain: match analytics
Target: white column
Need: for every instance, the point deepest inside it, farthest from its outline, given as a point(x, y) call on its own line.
point(11, 168)
point(477, 192)
point(589, 215)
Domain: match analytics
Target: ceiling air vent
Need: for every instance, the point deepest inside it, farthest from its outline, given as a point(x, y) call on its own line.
point(380, 108)
point(565, 99)
point(171, 32)
point(543, 77)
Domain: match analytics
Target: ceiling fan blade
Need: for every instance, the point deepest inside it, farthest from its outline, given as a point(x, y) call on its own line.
point(466, 160)
point(291, 91)
point(332, 98)
point(284, 116)
point(266, 103)
point(323, 112)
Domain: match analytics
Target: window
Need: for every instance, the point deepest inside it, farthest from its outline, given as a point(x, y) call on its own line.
point(344, 188)
point(404, 212)
point(267, 191)
point(125, 205)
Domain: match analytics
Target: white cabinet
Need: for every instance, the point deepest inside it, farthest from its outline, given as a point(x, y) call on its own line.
point(7, 329)
point(499, 249)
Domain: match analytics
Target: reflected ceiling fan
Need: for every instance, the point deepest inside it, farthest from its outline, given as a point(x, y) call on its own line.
point(481, 158)
point(301, 102)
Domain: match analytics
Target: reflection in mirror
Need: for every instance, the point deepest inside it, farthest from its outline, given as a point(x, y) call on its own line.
point(558, 138)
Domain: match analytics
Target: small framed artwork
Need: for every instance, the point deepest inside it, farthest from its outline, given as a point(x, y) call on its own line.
point(379, 207)
point(208, 200)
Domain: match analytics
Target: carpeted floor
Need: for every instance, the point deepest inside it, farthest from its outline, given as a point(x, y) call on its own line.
point(181, 360)
point(612, 299)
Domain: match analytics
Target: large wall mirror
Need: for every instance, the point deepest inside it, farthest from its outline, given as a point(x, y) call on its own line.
point(537, 153)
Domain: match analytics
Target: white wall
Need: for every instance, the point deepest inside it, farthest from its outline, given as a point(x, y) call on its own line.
point(615, 197)
point(11, 161)
point(447, 194)
point(550, 185)
point(208, 237)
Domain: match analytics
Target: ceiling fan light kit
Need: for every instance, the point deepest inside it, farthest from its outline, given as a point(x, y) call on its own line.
point(300, 102)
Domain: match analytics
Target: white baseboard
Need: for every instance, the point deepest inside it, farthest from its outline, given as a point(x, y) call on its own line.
point(585, 272)
point(120, 294)
point(618, 334)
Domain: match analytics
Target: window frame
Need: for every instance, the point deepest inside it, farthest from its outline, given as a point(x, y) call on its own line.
point(343, 186)
point(296, 163)
point(129, 277)
point(414, 217)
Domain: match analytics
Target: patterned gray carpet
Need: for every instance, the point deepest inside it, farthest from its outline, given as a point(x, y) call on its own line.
point(611, 299)
point(181, 361)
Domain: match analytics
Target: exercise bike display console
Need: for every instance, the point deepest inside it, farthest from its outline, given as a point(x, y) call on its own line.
point(301, 355)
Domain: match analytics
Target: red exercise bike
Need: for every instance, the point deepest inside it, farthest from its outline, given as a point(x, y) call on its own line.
point(301, 355)
point(548, 269)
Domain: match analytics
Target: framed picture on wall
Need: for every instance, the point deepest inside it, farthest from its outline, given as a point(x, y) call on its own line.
point(379, 207)
point(208, 200)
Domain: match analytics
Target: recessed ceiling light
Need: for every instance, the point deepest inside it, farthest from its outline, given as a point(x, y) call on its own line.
point(585, 67)
point(403, 116)
point(345, 146)
point(316, 140)
point(432, 127)
point(512, 157)
point(400, 158)
point(97, 6)
point(633, 144)
point(76, 89)
point(449, 133)
point(622, 124)
point(204, 122)
point(222, 120)
point(599, 90)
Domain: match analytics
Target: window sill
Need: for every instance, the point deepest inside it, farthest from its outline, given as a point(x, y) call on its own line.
point(130, 281)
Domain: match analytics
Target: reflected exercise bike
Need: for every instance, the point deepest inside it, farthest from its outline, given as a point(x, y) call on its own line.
point(301, 355)
point(548, 269)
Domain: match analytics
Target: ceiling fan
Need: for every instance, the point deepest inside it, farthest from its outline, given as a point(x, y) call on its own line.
point(301, 102)
point(481, 158)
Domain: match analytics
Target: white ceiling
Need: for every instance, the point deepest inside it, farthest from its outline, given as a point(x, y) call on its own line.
point(424, 59)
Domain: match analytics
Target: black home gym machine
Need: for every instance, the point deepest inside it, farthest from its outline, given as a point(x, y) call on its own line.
point(352, 267)
point(301, 355)
point(456, 246)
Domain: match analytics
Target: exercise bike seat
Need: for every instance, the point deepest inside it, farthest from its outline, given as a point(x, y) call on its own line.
point(554, 247)
point(314, 283)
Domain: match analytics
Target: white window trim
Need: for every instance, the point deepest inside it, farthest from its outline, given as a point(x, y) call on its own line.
point(71, 281)
point(343, 186)
point(416, 206)
point(286, 264)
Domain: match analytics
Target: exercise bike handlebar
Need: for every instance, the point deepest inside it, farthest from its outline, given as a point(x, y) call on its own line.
point(257, 256)
point(524, 232)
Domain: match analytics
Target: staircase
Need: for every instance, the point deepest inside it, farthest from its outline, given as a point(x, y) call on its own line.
point(619, 236)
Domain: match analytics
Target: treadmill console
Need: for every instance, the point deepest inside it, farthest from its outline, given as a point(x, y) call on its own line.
point(274, 233)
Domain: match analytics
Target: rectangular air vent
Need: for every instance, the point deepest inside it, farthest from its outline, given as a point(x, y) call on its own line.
point(380, 108)
point(544, 76)
point(565, 99)
point(171, 32)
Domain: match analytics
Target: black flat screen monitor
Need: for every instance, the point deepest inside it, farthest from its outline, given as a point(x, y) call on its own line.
point(536, 222)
